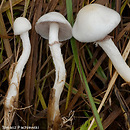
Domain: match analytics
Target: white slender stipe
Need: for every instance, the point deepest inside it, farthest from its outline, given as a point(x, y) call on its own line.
point(119, 63)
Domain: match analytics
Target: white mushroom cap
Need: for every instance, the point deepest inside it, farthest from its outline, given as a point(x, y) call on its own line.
point(21, 25)
point(43, 23)
point(94, 22)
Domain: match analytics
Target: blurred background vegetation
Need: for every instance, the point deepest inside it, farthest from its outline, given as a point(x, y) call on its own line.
point(39, 74)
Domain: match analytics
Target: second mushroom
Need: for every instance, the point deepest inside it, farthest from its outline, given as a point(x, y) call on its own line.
point(55, 27)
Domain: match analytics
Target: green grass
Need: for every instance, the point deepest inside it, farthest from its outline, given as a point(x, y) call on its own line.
point(80, 68)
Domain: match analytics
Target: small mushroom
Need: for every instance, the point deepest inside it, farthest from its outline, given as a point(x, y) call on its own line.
point(93, 24)
point(21, 27)
point(55, 27)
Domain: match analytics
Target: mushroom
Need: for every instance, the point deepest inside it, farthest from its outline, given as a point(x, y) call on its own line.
point(21, 27)
point(55, 27)
point(93, 24)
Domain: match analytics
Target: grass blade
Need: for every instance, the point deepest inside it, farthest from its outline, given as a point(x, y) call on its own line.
point(80, 68)
point(70, 84)
point(99, 70)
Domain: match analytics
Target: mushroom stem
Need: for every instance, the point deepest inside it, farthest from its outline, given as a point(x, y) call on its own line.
point(53, 33)
point(113, 53)
point(11, 98)
point(53, 106)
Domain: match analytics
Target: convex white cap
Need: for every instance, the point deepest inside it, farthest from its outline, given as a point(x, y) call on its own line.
point(21, 25)
point(43, 24)
point(94, 22)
